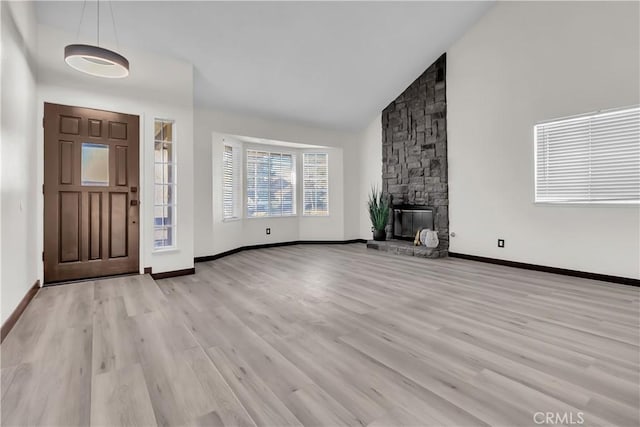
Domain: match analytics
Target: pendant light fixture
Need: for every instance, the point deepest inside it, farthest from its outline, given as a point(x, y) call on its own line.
point(96, 60)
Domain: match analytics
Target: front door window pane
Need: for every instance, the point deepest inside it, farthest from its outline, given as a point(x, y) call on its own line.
point(95, 164)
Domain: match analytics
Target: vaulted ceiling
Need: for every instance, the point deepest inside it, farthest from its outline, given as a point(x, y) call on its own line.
point(331, 64)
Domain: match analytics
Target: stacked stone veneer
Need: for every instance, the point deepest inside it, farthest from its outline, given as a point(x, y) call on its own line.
point(414, 149)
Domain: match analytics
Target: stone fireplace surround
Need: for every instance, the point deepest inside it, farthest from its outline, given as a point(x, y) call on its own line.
point(414, 156)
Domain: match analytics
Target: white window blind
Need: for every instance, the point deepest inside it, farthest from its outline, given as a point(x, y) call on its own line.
point(592, 158)
point(270, 184)
point(315, 184)
point(231, 187)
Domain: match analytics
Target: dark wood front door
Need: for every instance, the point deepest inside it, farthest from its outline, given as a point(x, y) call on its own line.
point(91, 193)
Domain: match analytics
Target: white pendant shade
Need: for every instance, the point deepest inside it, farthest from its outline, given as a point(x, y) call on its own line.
point(96, 61)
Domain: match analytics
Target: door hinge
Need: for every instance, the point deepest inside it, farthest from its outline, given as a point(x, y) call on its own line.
point(43, 121)
point(42, 188)
point(42, 255)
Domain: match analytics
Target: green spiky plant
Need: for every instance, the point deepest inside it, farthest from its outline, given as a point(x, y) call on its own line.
point(378, 209)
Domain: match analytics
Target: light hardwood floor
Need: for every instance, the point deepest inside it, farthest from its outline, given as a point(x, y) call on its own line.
point(326, 335)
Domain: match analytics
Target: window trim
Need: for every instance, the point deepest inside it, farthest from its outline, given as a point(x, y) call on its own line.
point(576, 203)
point(328, 213)
point(271, 150)
point(174, 184)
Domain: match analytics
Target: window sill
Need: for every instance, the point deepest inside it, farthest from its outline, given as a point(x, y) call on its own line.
point(591, 204)
point(170, 250)
point(272, 217)
point(235, 219)
point(316, 216)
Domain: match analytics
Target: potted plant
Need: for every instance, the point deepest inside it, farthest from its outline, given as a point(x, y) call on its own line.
point(379, 213)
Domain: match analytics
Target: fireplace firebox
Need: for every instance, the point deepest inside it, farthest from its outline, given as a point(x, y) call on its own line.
point(408, 219)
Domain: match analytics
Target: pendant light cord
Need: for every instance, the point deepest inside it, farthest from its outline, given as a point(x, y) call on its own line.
point(84, 5)
point(98, 20)
point(113, 22)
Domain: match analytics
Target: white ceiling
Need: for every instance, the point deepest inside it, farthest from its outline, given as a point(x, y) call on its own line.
point(331, 64)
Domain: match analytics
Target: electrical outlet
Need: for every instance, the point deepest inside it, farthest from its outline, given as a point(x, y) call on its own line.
point(501, 243)
point(268, 230)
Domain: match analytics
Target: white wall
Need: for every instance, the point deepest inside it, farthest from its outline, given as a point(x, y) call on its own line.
point(158, 87)
point(19, 242)
point(370, 171)
point(522, 63)
point(215, 236)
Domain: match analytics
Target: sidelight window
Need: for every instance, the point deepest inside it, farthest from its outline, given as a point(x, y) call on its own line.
point(164, 208)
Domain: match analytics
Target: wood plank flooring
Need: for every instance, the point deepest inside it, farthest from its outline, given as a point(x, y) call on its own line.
point(326, 336)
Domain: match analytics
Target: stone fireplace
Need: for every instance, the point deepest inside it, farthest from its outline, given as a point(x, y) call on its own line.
point(414, 158)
